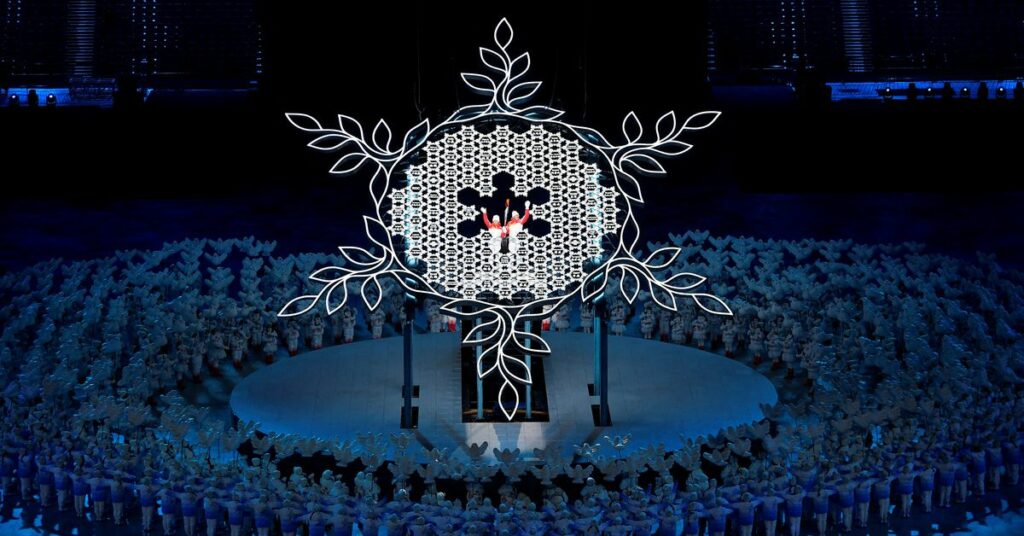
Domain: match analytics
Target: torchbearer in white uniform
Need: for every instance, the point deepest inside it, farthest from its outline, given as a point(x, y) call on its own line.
point(496, 230)
point(515, 226)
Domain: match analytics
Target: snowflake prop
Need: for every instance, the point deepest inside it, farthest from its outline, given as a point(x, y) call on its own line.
point(591, 189)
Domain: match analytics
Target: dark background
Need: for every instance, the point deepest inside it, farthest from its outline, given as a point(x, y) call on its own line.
point(83, 182)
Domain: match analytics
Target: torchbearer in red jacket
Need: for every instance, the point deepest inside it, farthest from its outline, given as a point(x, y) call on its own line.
point(505, 235)
point(515, 226)
point(496, 229)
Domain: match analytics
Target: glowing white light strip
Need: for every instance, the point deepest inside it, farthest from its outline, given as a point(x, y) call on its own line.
point(453, 274)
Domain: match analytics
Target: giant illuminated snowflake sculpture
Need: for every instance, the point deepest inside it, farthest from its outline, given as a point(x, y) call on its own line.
point(591, 187)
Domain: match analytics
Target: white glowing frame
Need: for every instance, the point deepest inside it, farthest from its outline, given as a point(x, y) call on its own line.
point(497, 331)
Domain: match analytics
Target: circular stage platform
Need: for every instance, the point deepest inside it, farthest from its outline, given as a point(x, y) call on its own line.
point(658, 392)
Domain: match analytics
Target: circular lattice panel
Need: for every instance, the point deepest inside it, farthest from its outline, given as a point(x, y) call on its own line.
point(426, 212)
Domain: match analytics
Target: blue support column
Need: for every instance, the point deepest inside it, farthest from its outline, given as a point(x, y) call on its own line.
point(407, 387)
point(479, 381)
point(602, 355)
point(598, 330)
point(529, 386)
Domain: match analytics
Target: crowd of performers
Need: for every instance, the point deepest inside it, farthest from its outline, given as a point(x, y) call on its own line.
point(899, 374)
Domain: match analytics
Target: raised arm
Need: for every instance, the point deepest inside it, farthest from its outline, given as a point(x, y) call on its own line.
point(526, 214)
